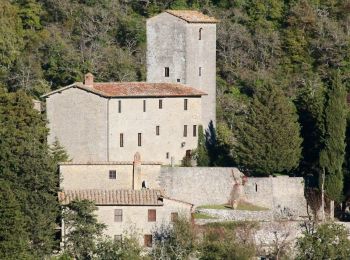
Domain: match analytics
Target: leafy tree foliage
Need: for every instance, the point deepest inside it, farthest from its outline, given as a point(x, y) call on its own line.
point(268, 139)
point(26, 164)
point(176, 241)
point(328, 241)
point(82, 229)
point(14, 239)
point(202, 152)
point(332, 155)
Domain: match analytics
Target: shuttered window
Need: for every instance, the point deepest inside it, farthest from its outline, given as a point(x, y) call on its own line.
point(147, 240)
point(152, 215)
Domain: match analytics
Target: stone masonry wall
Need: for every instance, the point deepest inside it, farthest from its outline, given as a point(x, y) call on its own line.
point(212, 185)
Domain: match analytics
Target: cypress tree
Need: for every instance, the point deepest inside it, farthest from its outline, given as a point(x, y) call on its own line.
point(268, 136)
point(25, 161)
point(332, 155)
point(202, 152)
point(13, 236)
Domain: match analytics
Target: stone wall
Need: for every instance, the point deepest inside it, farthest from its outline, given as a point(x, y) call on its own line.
point(213, 185)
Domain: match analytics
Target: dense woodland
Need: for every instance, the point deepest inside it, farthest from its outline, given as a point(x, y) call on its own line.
point(283, 70)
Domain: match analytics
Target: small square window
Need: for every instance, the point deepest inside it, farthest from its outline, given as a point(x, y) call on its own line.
point(112, 174)
point(118, 215)
point(152, 215)
point(147, 240)
point(178, 80)
point(166, 72)
point(174, 216)
point(118, 238)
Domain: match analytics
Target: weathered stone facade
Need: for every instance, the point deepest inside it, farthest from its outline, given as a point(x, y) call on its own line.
point(89, 126)
point(188, 49)
point(213, 185)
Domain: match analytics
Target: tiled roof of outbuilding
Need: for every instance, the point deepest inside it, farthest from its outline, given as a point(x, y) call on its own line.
point(141, 89)
point(192, 16)
point(135, 89)
point(144, 197)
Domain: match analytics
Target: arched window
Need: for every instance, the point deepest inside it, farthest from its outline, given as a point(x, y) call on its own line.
point(200, 33)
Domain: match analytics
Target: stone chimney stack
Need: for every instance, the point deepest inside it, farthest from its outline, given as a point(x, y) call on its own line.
point(89, 79)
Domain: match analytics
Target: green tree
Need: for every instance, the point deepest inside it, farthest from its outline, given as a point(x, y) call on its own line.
point(332, 155)
point(176, 241)
point(25, 161)
point(328, 241)
point(202, 152)
point(82, 229)
point(14, 239)
point(268, 138)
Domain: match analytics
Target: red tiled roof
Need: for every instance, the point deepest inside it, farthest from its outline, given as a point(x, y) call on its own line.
point(144, 197)
point(135, 89)
point(191, 16)
point(142, 89)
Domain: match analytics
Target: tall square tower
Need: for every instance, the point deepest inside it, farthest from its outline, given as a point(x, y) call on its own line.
point(181, 48)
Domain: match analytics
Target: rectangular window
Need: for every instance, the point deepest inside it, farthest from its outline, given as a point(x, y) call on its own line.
point(200, 71)
point(194, 130)
point(166, 71)
point(119, 106)
point(157, 130)
point(174, 216)
point(121, 140)
point(118, 215)
point(160, 103)
point(118, 238)
point(185, 130)
point(147, 240)
point(144, 106)
point(139, 139)
point(167, 155)
point(185, 104)
point(178, 80)
point(112, 174)
point(152, 215)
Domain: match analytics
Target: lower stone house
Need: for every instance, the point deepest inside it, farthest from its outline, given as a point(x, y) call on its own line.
point(130, 211)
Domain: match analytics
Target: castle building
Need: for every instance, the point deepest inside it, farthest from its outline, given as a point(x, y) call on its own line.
point(181, 48)
point(103, 125)
point(111, 121)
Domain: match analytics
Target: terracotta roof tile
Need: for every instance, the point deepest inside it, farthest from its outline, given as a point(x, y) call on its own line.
point(144, 89)
point(192, 16)
point(144, 197)
point(135, 89)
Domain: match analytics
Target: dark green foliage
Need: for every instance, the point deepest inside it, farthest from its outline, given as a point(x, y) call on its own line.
point(176, 241)
point(268, 138)
point(127, 249)
point(220, 241)
point(329, 241)
point(14, 239)
point(25, 163)
point(82, 229)
point(332, 155)
point(202, 152)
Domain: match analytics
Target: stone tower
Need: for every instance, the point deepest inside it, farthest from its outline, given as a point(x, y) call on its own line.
point(181, 48)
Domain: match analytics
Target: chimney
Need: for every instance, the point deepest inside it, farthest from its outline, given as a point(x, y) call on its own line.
point(89, 79)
